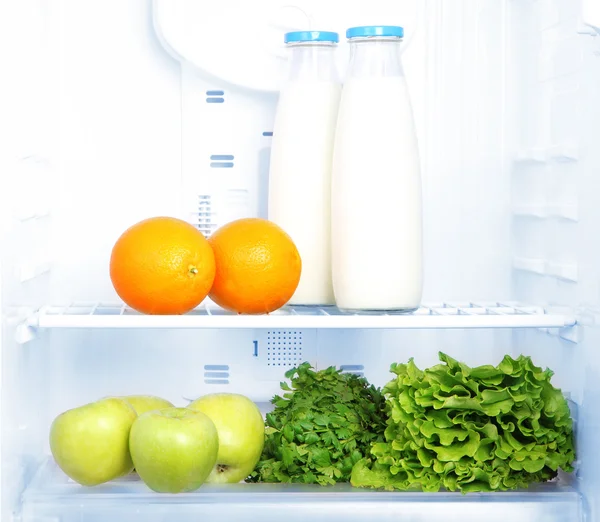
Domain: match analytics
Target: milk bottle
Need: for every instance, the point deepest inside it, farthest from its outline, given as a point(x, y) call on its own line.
point(301, 159)
point(376, 183)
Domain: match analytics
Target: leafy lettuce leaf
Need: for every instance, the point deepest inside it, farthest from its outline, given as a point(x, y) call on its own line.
point(320, 428)
point(470, 429)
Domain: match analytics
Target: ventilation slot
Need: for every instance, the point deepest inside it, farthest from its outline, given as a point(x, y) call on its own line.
point(221, 161)
point(216, 374)
point(356, 369)
point(215, 97)
point(284, 348)
point(205, 215)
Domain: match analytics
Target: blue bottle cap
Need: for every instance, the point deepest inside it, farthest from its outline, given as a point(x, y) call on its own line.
point(367, 31)
point(311, 36)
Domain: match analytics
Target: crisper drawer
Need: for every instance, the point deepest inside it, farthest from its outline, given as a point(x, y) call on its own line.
point(51, 497)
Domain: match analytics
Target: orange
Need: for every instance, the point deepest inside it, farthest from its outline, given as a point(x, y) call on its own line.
point(162, 265)
point(258, 266)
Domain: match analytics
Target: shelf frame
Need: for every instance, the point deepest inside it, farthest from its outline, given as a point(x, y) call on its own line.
point(440, 315)
point(51, 495)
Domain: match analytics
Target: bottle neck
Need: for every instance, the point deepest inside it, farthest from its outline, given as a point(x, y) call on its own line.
point(313, 61)
point(375, 57)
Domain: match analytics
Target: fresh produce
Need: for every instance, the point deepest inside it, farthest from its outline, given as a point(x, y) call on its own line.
point(162, 265)
point(449, 427)
point(143, 403)
point(241, 432)
point(174, 450)
point(470, 429)
point(320, 428)
point(91, 443)
point(258, 266)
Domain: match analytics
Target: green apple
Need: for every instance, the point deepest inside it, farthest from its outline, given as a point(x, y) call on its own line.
point(143, 403)
point(91, 443)
point(173, 449)
point(241, 434)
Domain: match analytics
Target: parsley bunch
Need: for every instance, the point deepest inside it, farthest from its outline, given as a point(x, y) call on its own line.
point(322, 426)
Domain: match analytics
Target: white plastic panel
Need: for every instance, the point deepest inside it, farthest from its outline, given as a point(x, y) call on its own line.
point(225, 150)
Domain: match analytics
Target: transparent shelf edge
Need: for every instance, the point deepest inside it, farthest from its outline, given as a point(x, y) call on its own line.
point(49, 482)
point(443, 315)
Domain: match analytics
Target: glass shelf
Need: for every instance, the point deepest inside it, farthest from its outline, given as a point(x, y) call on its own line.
point(52, 496)
point(441, 315)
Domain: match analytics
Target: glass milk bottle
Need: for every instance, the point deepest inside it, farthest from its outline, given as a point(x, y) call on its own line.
point(376, 181)
point(301, 157)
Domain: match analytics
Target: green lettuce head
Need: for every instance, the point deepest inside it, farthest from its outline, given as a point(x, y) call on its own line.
point(470, 429)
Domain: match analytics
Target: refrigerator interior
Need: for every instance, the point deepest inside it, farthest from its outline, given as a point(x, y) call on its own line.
point(113, 118)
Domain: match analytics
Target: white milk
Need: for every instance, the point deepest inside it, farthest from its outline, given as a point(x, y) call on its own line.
point(301, 159)
point(300, 180)
point(376, 198)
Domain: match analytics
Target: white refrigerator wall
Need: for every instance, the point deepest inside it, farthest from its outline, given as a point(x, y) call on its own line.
point(103, 137)
point(29, 156)
point(553, 86)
